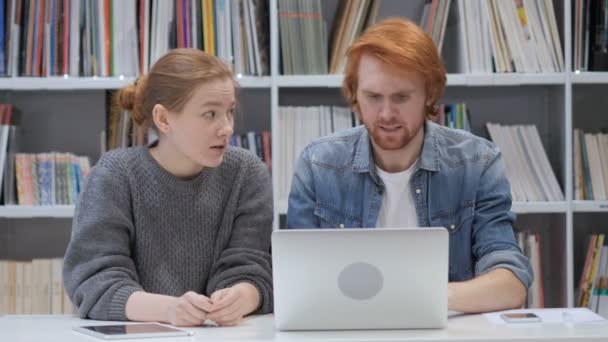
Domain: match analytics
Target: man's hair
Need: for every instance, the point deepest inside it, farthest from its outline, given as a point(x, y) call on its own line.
point(404, 45)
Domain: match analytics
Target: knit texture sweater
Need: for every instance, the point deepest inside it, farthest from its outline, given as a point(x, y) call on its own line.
point(137, 227)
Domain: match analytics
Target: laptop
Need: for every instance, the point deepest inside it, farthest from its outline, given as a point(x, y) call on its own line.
point(342, 279)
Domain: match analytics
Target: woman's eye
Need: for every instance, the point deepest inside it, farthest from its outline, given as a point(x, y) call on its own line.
point(209, 115)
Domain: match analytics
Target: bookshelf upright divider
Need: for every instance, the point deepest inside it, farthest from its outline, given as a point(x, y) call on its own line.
point(274, 106)
point(567, 163)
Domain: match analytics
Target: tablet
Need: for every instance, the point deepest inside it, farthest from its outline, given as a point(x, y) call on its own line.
point(135, 330)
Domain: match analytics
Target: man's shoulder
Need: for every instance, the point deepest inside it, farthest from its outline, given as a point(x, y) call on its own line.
point(456, 146)
point(334, 150)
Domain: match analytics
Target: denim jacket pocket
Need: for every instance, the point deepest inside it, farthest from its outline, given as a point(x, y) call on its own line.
point(453, 221)
point(331, 217)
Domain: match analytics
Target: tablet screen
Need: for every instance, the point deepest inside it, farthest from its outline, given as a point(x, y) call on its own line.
point(127, 329)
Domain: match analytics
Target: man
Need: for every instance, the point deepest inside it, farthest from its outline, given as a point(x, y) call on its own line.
point(401, 170)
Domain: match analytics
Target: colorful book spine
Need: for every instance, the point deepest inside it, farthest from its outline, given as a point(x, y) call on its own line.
point(45, 178)
point(25, 182)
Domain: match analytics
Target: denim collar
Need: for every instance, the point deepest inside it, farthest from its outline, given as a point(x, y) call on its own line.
point(428, 160)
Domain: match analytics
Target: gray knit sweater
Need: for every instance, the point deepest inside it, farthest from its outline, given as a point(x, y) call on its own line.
point(138, 227)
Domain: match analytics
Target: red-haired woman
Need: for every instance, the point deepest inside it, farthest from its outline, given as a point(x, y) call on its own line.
point(177, 231)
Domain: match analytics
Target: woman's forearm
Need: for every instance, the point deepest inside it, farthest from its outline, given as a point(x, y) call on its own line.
point(148, 307)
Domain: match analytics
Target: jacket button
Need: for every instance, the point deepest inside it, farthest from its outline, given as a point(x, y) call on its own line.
point(418, 191)
point(341, 225)
point(452, 226)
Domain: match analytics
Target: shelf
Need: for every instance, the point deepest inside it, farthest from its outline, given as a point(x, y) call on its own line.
point(254, 82)
point(539, 207)
point(23, 211)
point(63, 83)
point(315, 81)
point(590, 77)
point(17, 211)
point(295, 81)
point(590, 206)
point(517, 207)
point(335, 81)
point(94, 83)
point(505, 79)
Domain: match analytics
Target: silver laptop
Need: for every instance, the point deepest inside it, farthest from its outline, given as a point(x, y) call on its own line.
point(334, 279)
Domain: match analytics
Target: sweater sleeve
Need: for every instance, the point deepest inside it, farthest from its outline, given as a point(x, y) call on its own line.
point(247, 255)
point(99, 273)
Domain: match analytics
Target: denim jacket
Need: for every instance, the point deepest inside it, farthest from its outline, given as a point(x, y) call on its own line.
point(459, 183)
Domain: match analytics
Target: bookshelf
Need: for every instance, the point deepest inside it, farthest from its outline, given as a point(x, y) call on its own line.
point(540, 99)
point(554, 102)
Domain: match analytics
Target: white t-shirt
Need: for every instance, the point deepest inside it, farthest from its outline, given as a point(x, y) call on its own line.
point(398, 209)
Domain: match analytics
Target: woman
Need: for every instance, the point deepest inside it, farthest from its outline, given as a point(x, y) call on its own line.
point(177, 231)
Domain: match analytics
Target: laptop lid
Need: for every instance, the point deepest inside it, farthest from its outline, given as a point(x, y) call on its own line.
point(329, 279)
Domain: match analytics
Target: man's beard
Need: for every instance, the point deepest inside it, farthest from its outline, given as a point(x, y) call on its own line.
point(392, 140)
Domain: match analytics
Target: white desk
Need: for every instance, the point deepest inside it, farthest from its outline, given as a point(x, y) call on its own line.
point(261, 328)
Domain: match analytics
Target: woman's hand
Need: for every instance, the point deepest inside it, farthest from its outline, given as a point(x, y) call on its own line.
point(189, 310)
point(231, 304)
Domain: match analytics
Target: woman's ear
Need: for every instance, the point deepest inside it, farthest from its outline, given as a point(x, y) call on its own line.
point(160, 116)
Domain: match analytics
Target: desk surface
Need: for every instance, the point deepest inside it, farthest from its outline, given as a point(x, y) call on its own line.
point(261, 328)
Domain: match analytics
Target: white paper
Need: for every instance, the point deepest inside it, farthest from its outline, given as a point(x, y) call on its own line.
point(573, 315)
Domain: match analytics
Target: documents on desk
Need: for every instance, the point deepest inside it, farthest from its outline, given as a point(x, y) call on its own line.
point(551, 316)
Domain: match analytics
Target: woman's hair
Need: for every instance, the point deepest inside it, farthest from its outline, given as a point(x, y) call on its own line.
point(170, 82)
point(402, 44)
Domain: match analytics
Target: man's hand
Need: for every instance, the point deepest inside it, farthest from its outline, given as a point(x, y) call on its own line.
point(231, 304)
point(189, 310)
